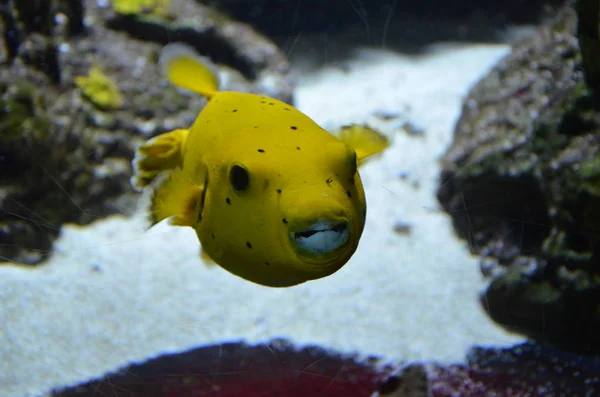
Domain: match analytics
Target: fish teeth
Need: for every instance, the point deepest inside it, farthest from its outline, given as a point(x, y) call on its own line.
point(322, 238)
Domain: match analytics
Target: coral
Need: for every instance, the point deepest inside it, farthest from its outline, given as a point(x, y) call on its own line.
point(521, 181)
point(100, 89)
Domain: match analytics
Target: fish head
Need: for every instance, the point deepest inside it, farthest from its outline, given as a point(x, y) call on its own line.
point(325, 211)
point(279, 217)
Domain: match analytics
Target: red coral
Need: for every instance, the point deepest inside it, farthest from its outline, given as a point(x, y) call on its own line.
point(236, 369)
point(278, 369)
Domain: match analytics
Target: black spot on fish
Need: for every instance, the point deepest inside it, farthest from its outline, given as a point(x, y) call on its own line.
point(288, 109)
point(228, 201)
point(348, 193)
point(255, 126)
point(248, 244)
point(234, 110)
point(263, 102)
point(297, 147)
point(267, 263)
point(278, 191)
point(271, 103)
point(212, 235)
point(294, 127)
point(261, 151)
point(284, 220)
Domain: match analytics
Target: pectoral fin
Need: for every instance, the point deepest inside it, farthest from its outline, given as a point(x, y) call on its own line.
point(161, 153)
point(365, 140)
point(177, 197)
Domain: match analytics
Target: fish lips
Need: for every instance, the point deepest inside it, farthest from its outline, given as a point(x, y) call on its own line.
point(322, 241)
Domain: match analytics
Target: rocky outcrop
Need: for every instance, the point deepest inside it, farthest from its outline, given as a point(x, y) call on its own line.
point(522, 183)
point(278, 368)
point(330, 16)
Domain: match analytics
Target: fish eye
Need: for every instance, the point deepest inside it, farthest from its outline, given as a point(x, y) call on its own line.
point(239, 178)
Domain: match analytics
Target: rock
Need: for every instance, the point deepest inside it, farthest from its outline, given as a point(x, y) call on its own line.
point(522, 183)
point(522, 370)
point(335, 15)
point(588, 34)
point(65, 146)
point(278, 368)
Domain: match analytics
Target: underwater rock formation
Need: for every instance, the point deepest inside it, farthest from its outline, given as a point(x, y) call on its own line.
point(588, 35)
point(335, 15)
point(237, 369)
point(522, 370)
point(278, 369)
point(521, 181)
point(80, 89)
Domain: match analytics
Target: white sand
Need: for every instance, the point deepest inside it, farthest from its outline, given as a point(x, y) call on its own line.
point(65, 322)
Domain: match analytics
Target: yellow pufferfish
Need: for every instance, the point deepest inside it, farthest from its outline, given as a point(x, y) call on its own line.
point(273, 197)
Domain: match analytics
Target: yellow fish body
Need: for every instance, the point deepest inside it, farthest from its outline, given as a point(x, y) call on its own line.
point(273, 197)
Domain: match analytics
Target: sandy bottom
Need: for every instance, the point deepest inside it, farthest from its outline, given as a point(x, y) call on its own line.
point(114, 293)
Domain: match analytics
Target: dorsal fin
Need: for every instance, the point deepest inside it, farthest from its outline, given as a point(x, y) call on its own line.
point(365, 140)
point(185, 68)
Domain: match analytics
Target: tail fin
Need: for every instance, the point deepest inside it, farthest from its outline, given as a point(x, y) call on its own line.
point(161, 153)
point(184, 68)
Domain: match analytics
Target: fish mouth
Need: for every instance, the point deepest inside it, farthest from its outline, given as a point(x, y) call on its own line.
point(321, 238)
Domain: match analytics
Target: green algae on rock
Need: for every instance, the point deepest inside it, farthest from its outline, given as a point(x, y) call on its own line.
point(279, 368)
point(521, 181)
point(133, 7)
point(100, 89)
point(65, 158)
